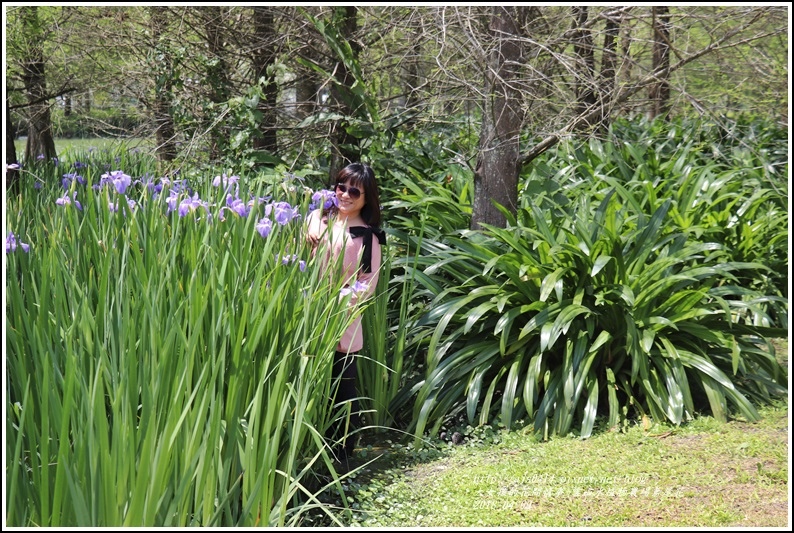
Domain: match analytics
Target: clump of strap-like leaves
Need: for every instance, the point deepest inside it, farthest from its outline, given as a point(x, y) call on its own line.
point(626, 285)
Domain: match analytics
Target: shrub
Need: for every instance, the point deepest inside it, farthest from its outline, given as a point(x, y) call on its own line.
point(603, 311)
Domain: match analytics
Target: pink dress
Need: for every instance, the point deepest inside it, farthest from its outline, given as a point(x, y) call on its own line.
point(342, 242)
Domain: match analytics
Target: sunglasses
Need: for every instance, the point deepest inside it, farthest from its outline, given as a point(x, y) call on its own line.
point(353, 192)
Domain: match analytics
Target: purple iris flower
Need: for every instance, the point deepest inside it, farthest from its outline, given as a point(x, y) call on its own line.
point(13, 166)
point(171, 200)
point(130, 202)
point(11, 243)
point(67, 180)
point(119, 179)
point(226, 181)
point(178, 185)
point(185, 207)
point(192, 203)
point(301, 263)
point(150, 185)
point(264, 226)
point(289, 259)
point(282, 212)
point(357, 287)
point(324, 197)
point(237, 205)
point(256, 200)
point(65, 200)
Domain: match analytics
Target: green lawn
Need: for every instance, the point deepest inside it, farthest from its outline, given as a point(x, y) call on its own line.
point(97, 143)
point(702, 474)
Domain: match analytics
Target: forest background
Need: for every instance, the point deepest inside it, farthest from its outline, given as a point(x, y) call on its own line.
point(537, 163)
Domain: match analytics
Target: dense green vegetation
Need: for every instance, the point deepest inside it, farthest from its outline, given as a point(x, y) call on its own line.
point(162, 339)
point(637, 277)
point(168, 333)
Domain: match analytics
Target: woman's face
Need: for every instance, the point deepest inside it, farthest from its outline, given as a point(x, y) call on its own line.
point(350, 198)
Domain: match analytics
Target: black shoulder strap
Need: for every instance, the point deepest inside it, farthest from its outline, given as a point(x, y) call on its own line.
point(367, 232)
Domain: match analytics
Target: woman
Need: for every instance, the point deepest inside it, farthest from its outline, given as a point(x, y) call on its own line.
point(349, 229)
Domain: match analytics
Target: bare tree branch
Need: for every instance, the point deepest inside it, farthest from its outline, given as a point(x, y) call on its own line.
point(60, 92)
point(626, 92)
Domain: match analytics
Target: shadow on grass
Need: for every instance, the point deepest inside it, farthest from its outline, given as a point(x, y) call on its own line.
point(380, 454)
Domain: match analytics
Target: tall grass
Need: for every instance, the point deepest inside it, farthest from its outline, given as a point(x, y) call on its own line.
point(164, 370)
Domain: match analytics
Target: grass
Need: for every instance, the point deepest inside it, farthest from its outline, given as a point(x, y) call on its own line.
point(82, 145)
point(701, 474)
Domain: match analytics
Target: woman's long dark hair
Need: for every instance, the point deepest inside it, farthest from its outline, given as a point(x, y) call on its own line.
point(361, 175)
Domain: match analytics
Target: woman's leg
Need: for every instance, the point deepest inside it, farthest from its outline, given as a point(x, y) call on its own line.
point(344, 370)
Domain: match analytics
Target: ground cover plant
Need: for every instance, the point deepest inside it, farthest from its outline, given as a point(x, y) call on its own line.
point(704, 473)
point(165, 367)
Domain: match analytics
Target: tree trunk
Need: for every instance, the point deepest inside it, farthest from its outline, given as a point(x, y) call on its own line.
point(585, 75)
point(659, 92)
point(625, 69)
point(161, 105)
point(40, 144)
point(606, 85)
point(12, 174)
point(345, 146)
point(306, 94)
point(265, 56)
point(496, 175)
point(412, 81)
point(307, 84)
point(216, 75)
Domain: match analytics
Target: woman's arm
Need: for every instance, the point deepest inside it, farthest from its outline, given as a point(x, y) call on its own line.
point(368, 281)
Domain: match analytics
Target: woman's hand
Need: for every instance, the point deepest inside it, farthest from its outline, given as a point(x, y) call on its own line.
point(313, 236)
point(313, 229)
